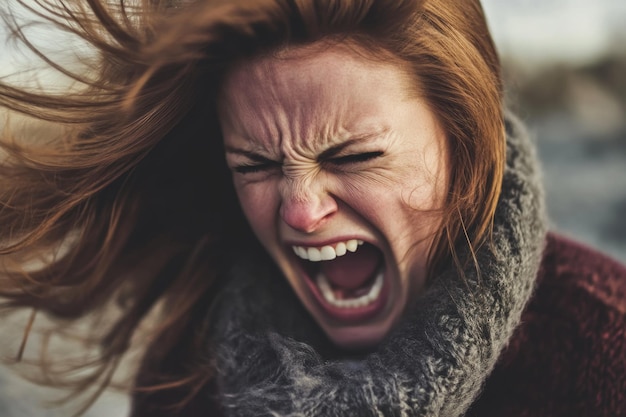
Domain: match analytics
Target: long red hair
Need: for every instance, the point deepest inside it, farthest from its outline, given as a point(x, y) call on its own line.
point(133, 195)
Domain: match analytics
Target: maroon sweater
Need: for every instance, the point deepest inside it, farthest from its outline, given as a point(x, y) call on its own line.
point(568, 357)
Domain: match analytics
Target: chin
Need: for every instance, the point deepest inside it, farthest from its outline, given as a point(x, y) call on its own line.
point(362, 337)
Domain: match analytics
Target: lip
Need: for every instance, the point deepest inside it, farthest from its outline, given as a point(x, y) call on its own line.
point(355, 315)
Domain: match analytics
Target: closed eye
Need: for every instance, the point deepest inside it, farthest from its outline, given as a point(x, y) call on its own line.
point(355, 158)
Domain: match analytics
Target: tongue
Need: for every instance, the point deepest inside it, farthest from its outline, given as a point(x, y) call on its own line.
point(352, 270)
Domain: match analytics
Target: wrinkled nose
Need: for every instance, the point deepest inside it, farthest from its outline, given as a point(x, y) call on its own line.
point(306, 208)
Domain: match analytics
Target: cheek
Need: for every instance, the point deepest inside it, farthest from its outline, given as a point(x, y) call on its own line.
point(260, 203)
point(426, 186)
point(416, 220)
point(424, 198)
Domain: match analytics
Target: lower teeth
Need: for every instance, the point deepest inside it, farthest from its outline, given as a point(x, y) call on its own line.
point(361, 301)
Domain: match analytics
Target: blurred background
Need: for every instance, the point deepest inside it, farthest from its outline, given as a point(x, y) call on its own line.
point(564, 64)
point(565, 73)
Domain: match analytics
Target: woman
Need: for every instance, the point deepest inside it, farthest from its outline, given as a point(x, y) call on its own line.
point(396, 223)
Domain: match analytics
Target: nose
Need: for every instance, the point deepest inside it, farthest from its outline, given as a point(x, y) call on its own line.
point(305, 207)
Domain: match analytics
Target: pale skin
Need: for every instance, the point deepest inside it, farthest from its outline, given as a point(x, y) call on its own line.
point(327, 145)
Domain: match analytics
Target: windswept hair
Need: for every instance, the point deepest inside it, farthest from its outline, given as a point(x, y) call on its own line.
point(132, 200)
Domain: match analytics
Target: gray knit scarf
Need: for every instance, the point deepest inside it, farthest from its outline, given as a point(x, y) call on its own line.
point(272, 360)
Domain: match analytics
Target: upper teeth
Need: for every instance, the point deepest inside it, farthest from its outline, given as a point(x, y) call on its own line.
point(327, 253)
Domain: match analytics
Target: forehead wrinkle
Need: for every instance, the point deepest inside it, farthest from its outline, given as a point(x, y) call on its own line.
point(308, 114)
point(259, 106)
point(318, 116)
point(291, 107)
point(245, 104)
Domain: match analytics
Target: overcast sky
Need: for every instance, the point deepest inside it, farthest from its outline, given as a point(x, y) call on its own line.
point(561, 30)
point(531, 30)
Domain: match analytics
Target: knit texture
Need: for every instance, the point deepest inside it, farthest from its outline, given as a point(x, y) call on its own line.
point(568, 357)
point(272, 360)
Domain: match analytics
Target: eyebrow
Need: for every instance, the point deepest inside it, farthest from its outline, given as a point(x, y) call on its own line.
point(249, 154)
point(334, 150)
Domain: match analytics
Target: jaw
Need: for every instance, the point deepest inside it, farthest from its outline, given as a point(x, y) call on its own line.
point(359, 337)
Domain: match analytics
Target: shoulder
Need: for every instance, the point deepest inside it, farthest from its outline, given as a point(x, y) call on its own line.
point(580, 284)
point(568, 263)
point(568, 356)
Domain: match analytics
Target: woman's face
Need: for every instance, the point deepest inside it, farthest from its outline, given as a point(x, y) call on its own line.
point(342, 172)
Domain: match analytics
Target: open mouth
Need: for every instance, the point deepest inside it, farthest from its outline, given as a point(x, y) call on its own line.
point(347, 278)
